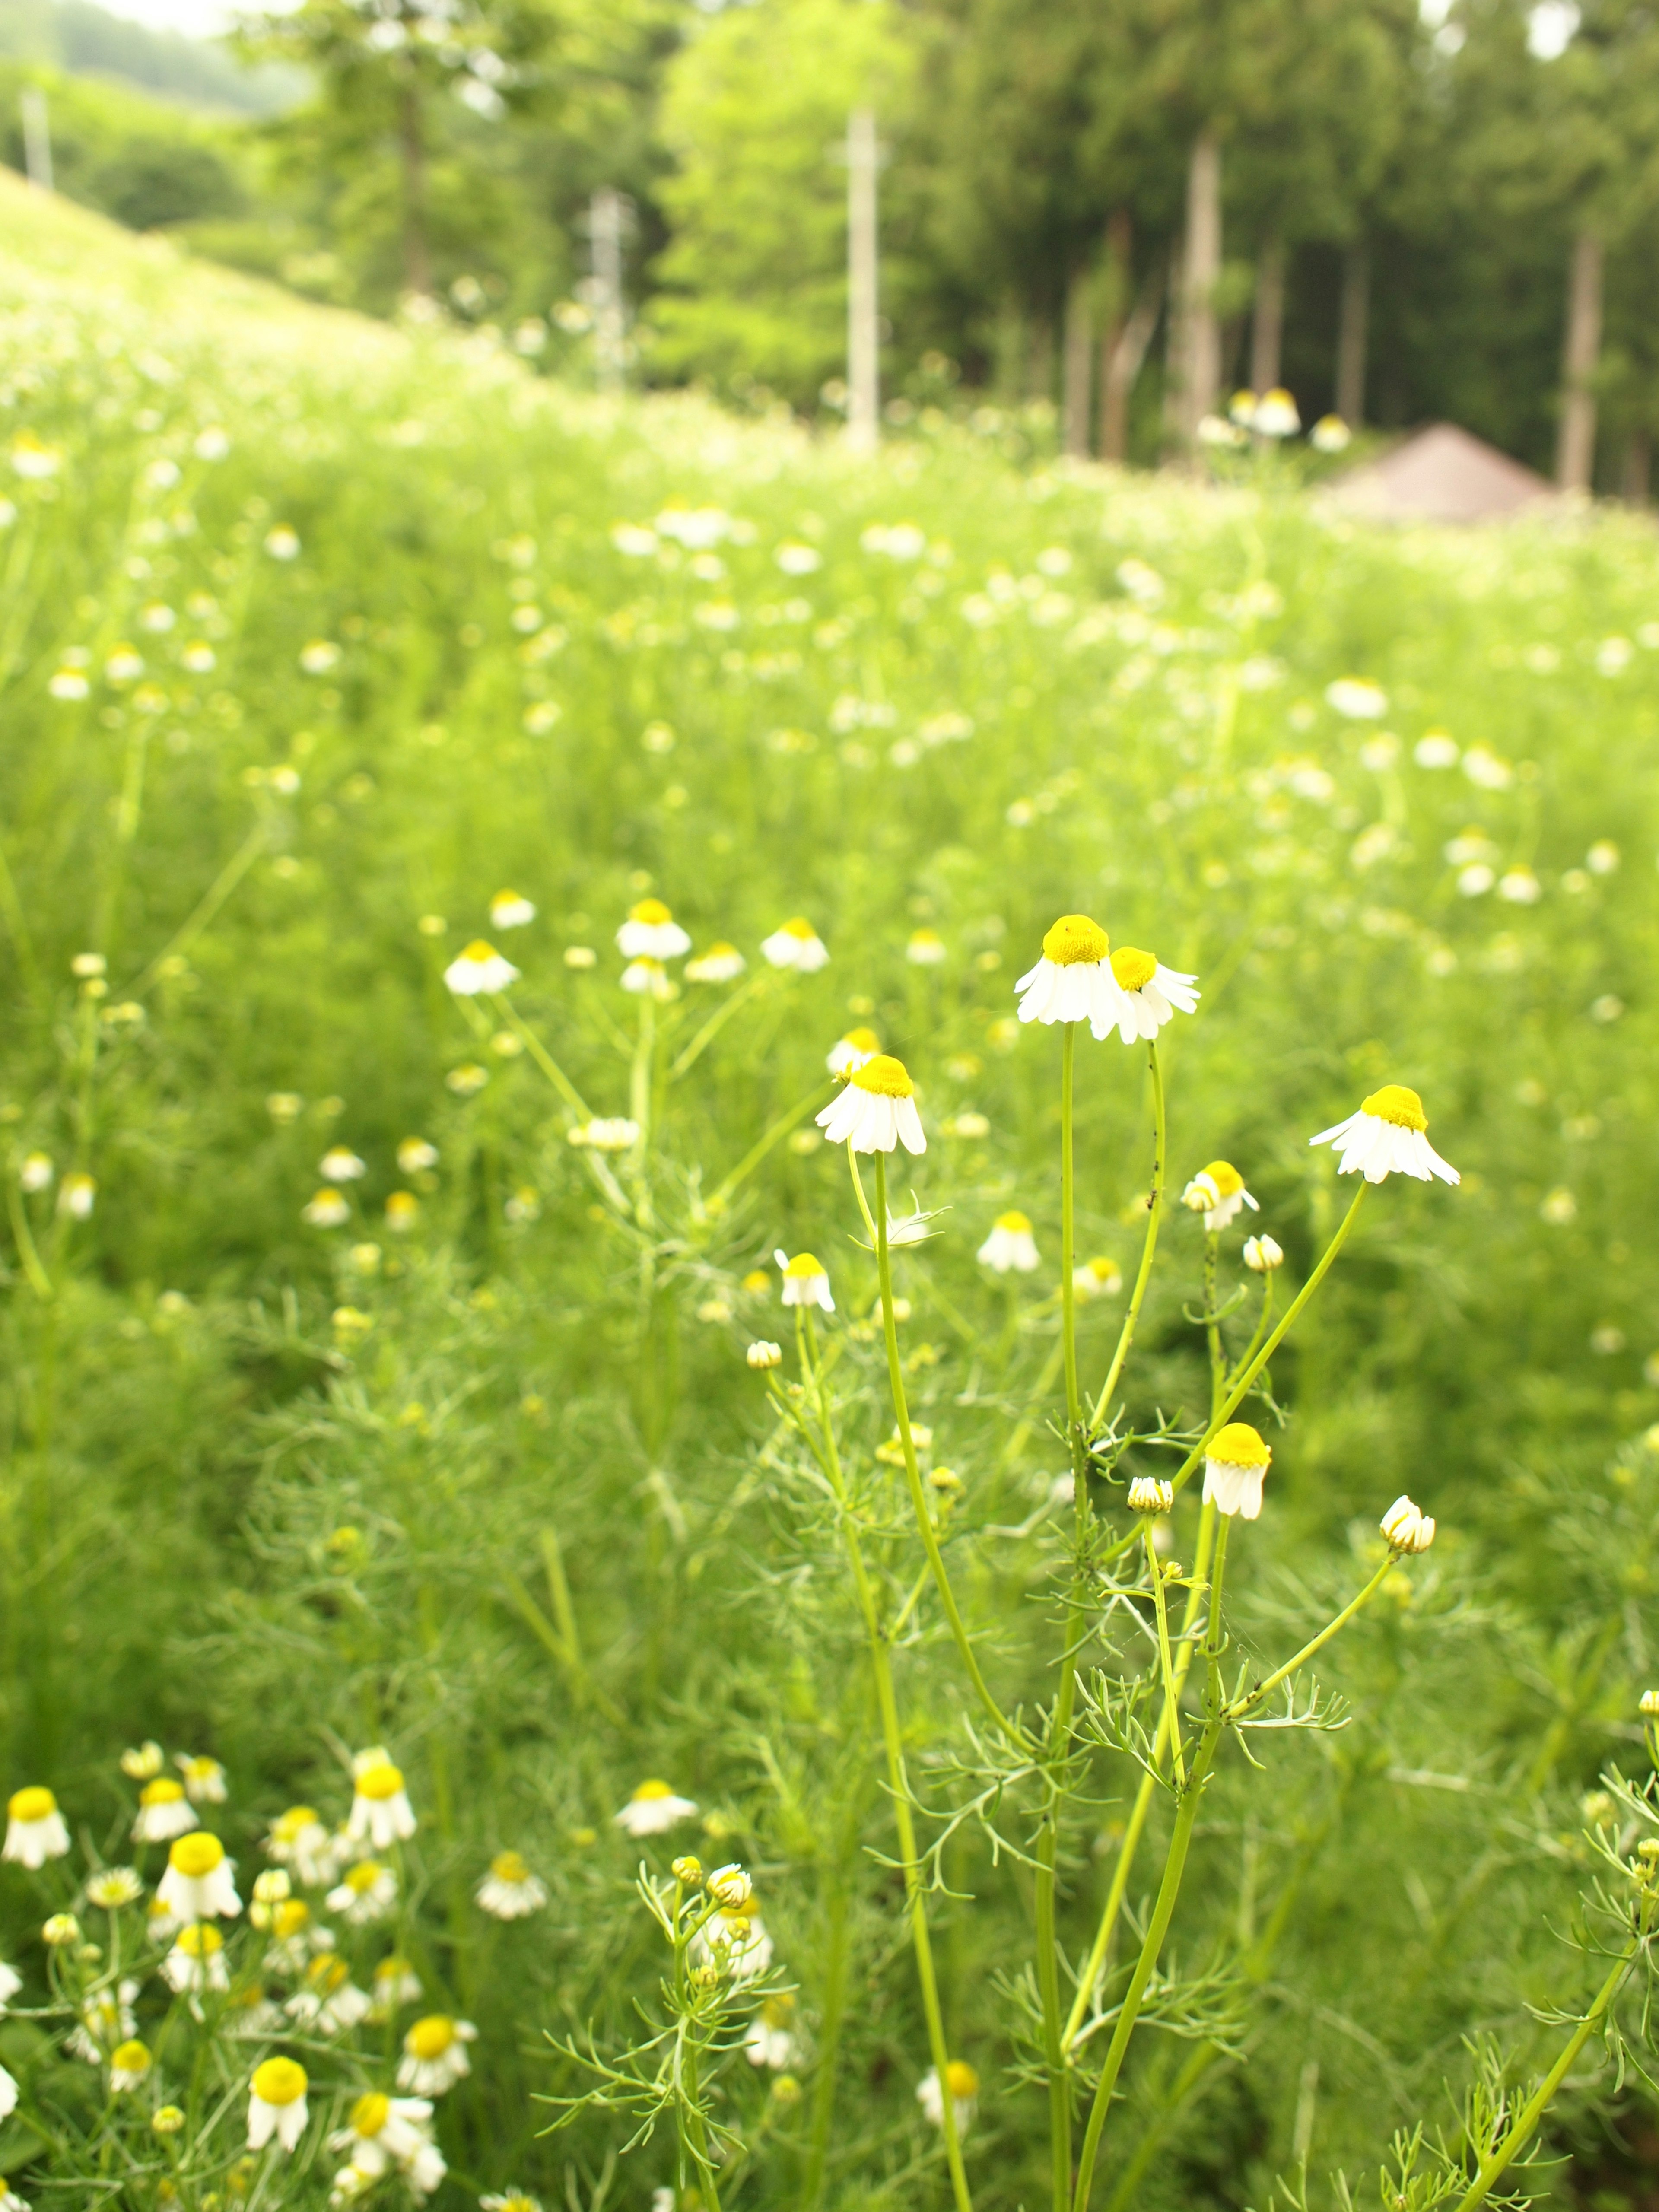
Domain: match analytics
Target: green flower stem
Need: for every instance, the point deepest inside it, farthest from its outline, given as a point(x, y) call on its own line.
point(1266, 1315)
point(881, 1666)
point(1492, 2166)
point(877, 1228)
point(544, 1059)
point(207, 907)
point(716, 1022)
point(1154, 1215)
point(39, 1281)
point(773, 1135)
point(1243, 1706)
point(1068, 1230)
point(1170, 1694)
point(1212, 1324)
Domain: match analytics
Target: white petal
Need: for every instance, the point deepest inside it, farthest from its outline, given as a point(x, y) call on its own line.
point(909, 1126)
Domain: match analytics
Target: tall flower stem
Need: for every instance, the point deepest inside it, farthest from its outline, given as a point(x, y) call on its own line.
point(1154, 1569)
point(1154, 1215)
point(1212, 1323)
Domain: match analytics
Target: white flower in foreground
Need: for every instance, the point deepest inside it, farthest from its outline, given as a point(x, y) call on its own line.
point(1262, 1254)
point(1356, 699)
point(651, 933)
point(1275, 415)
point(339, 1163)
point(434, 2055)
point(1406, 1528)
point(730, 1885)
point(379, 1806)
point(734, 1943)
point(384, 2132)
point(277, 2104)
point(850, 1053)
point(1009, 1247)
point(368, 1893)
point(646, 978)
point(34, 1828)
point(1388, 1136)
point(508, 910)
point(509, 1891)
point(1148, 1493)
point(615, 1134)
point(653, 1808)
point(963, 2085)
point(805, 1280)
point(8, 2106)
point(1217, 1192)
point(200, 1882)
point(1330, 434)
point(197, 1961)
point(877, 1110)
point(1151, 994)
point(1099, 1278)
point(1073, 980)
point(770, 2041)
point(129, 2066)
point(331, 2002)
point(204, 1779)
point(298, 1839)
point(480, 969)
point(722, 963)
point(796, 946)
point(761, 1354)
point(327, 1210)
point(1233, 1467)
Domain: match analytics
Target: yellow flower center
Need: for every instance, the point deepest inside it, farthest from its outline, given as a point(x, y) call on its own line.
point(1226, 1178)
point(803, 1264)
point(35, 1804)
point(508, 1866)
point(799, 928)
point(279, 2081)
point(650, 1790)
point(960, 2079)
point(197, 1854)
point(1075, 940)
point(201, 1939)
point(720, 951)
point(1133, 968)
point(1016, 1224)
point(777, 2012)
point(326, 1974)
point(380, 1783)
point(887, 1076)
point(290, 1916)
point(1239, 1446)
point(131, 2057)
point(370, 2113)
point(478, 951)
point(1394, 1103)
point(652, 912)
point(392, 1970)
point(430, 2038)
point(862, 1040)
point(364, 1877)
point(201, 1770)
point(164, 1790)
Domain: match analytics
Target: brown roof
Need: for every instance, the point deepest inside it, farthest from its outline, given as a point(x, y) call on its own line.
point(1442, 474)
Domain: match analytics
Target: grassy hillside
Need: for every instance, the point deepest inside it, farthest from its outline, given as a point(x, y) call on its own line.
point(322, 635)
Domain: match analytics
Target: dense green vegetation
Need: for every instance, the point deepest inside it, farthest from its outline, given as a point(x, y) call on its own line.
point(316, 637)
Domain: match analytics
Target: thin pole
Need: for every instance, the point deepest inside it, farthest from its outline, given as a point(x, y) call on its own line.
point(37, 139)
point(604, 233)
point(863, 358)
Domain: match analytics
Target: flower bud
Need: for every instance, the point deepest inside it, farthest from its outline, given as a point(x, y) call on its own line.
point(61, 1929)
point(731, 1887)
point(1405, 1527)
point(168, 2120)
point(688, 1870)
point(1262, 1255)
point(1649, 1705)
point(706, 1977)
point(1648, 1850)
point(1149, 1493)
point(945, 1480)
point(763, 1354)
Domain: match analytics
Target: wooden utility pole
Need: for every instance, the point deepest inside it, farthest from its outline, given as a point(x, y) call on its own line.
point(1268, 319)
point(1352, 336)
point(1077, 363)
point(37, 139)
point(863, 347)
point(604, 234)
point(1201, 273)
point(1575, 454)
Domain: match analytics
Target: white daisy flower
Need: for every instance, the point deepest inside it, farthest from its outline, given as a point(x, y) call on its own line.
point(296, 1937)
point(34, 1828)
point(796, 944)
point(509, 1891)
point(75, 1196)
point(1148, 1493)
point(651, 933)
point(507, 910)
point(200, 1882)
point(32, 460)
point(1151, 994)
point(1009, 1248)
point(963, 2085)
point(480, 969)
point(341, 1164)
point(196, 1961)
point(299, 1840)
point(1073, 980)
point(277, 2104)
point(851, 1052)
point(331, 2001)
point(722, 963)
point(8, 2106)
point(1356, 699)
point(1099, 1278)
point(205, 1778)
point(877, 1110)
point(1237, 1461)
point(379, 1806)
point(646, 978)
point(107, 2019)
point(395, 1984)
point(735, 1943)
point(1330, 434)
point(771, 2040)
point(1262, 1254)
point(1217, 1192)
point(518, 2200)
point(1275, 416)
point(36, 1172)
point(1388, 1136)
point(613, 1134)
point(144, 1761)
point(270, 1889)
point(654, 1807)
point(805, 1281)
point(927, 949)
point(251, 2017)
point(368, 1893)
point(128, 2066)
point(1406, 1528)
point(761, 1354)
point(385, 2132)
point(434, 2055)
point(329, 1209)
point(415, 1155)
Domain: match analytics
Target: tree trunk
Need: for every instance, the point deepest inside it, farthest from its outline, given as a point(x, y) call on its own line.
point(1203, 269)
point(1638, 469)
point(1352, 336)
point(1077, 363)
point(1114, 393)
point(1175, 346)
point(863, 348)
point(1040, 359)
point(1575, 457)
point(1268, 322)
point(417, 266)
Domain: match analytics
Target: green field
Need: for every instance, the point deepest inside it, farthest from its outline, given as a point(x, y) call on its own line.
point(488, 1481)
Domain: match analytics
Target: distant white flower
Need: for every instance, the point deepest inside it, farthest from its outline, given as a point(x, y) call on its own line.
point(1387, 1136)
point(1435, 748)
point(341, 1164)
point(1330, 434)
point(796, 944)
point(1099, 1277)
point(379, 1806)
point(69, 684)
point(1356, 699)
point(771, 2040)
point(1073, 980)
point(415, 1155)
point(648, 979)
point(1520, 887)
point(852, 1052)
point(329, 1209)
point(76, 1195)
point(796, 559)
point(277, 2104)
point(762, 1355)
point(1009, 1247)
point(129, 2065)
point(615, 1134)
point(164, 1811)
point(805, 1281)
point(1150, 994)
point(200, 1882)
point(330, 2002)
point(651, 933)
point(926, 949)
point(1234, 1466)
point(509, 1891)
point(963, 2085)
point(1406, 1528)
point(1262, 1254)
point(395, 1984)
point(367, 1893)
point(197, 1961)
point(1217, 1192)
point(480, 969)
point(34, 1828)
point(109, 1889)
point(320, 656)
point(386, 2132)
point(877, 1110)
point(654, 1809)
point(36, 1172)
point(507, 910)
point(212, 444)
point(1275, 415)
point(734, 1942)
point(299, 1840)
point(32, 460)
point(722, 963)
point(434, 2055)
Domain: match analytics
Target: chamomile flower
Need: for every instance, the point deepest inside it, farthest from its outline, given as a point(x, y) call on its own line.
point(161, 1922)
point(10, 1982)
point(1073, 980)
point(852, 1052)
point(1330, 434)
point(1262, 1254)
point(796, 944)
point(507, 910)
point(1148, 1493)
point(379, 1806)
point(395, 1983)
point(277, 2104)
point(385, 2132)
point(614, 1133)
point(200, 1882)
point(402, 1212)
point(647, 978)
point(107, 2019)
point(129, 2063)
point(763, 1354)
point(112, 1887)
point(651, 933)
point(806, 1283)
point(204, 1779)
point(368, 1893)
point(331, 2002)
point(1217, 1192)
point(299, 1840)
point(271, 1890)
point(1388, 1135)
point(654, 1809)
point(32, 460)
point(8, 2106)
point(509, 1891)
point(1237, 1461)
point(296, 1936)
point(722, 963)
point(434, 2055)
point(927, 949)
point(1275, 415)
point(197, 1961)
point(34, 1828)
point(963, 2083)
point(877, 1111)
point(339, 1163)
point(75, 1196)
point(329, 1209)
point(478, 970)
point(1099, 1278)
point(771, 2040)
point(1406, 1528)
point(1356, 699)
point(36, 1172)
point(1151, 994)
point(734, 1942)
point(1011, 1249)
point(415, 1155)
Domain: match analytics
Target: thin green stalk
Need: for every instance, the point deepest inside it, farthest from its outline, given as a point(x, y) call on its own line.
point(712, 1028)
point(1154, 1568)
point(832, 2010)
point(1213, 1324)
point(1238, 1711)
point(39, 1281)
point(207, 906)
point(1266, 1315)
point(544, 1059)
point(1154, 1215)
point(1067, 1225)
point(773, 1135)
